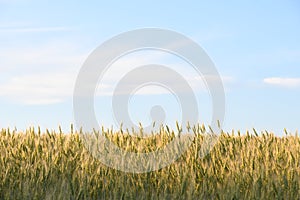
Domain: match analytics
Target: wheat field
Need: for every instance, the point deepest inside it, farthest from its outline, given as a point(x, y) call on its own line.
point(56, 165)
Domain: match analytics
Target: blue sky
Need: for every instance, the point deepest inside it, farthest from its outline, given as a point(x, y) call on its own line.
point(255, 47)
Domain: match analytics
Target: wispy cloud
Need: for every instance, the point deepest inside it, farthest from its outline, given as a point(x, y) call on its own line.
point(273, 57)
point(33, 29)
point(14, 1)
point(214, 34)
point(284, 82)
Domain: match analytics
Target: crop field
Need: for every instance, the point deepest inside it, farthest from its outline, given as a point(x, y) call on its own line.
point(56, 165)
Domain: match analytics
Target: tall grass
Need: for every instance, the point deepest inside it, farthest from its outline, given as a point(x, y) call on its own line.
point(54, 165)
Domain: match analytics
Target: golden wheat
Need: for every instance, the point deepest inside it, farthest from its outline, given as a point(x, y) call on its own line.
point(53, 165)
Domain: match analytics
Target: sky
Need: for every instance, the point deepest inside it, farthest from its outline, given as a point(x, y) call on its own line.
point(255, 47)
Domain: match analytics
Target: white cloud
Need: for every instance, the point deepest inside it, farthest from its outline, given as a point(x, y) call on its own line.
point(56, 87)
point(52, 55)
point(39, 88)
point(47, 74)
point(285, 82)
point(121, 67)
point(39, 74)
